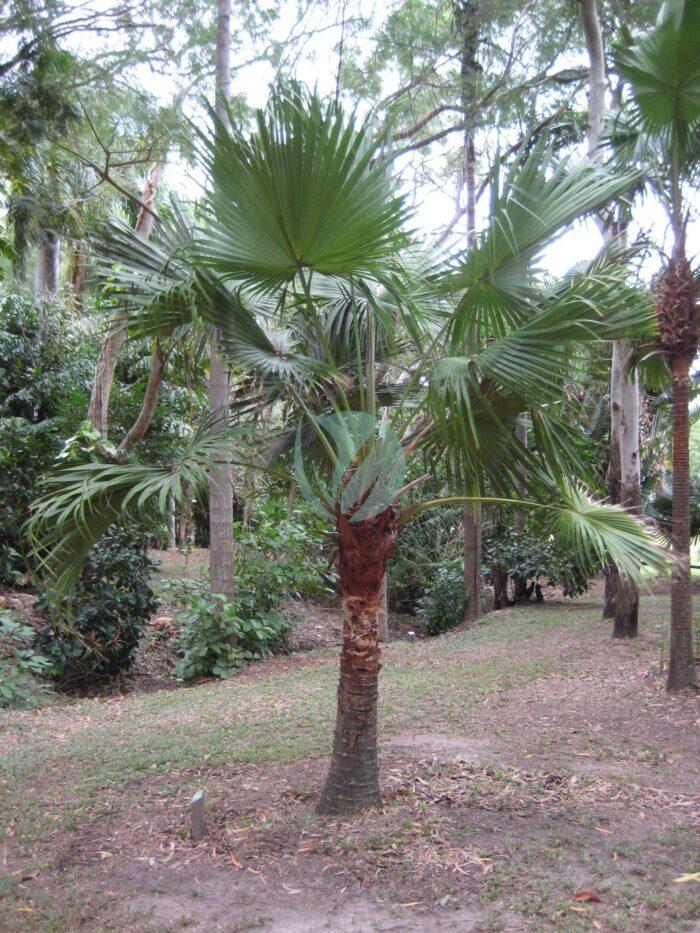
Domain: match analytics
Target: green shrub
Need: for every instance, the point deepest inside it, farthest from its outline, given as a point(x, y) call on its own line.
point(46, 362)
point(426, 545)
point(445, 601)
point(279, 555)
point(20, 665)
point(218, 639)
point(536, 556)
point(91, 637)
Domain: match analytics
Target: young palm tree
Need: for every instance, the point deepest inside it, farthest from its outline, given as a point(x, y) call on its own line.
point(663, 73)
point(305, 234)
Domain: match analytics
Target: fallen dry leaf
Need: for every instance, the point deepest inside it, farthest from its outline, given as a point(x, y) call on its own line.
point(587, 897)
point(691, 876)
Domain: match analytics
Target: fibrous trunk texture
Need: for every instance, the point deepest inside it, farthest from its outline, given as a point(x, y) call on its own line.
point(364, 548)
point(676, 301)
point(384, 611)
point(681, 669)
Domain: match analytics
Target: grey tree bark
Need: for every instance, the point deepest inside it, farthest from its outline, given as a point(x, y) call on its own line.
point(466, 25)
point(220, 481)
point(172, 523)
point(46, 273)
point(621, 595)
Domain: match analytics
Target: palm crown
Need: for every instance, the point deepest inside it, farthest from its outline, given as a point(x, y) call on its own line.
point(304, 264)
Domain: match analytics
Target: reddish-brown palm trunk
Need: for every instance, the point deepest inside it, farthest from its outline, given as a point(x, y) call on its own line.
point(364, 548)
point(681, 670)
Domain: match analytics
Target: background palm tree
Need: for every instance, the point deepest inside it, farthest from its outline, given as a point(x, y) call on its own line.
point(304, 265)
point(663, 72)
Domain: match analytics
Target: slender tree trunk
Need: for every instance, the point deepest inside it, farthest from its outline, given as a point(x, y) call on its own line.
point(150, 400)
point(593, 38)
point(220, 482)
point(172, 523)
point(681, 668)
point(98, 408)
point(625, 413)
point(46, 275)
point(467, 27)
point(185, 516)
point(78, 274)
point(364, 548)
point(520, 583)
point(624, 485)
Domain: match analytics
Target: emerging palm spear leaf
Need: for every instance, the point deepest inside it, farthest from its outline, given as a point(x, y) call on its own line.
point(305, 232)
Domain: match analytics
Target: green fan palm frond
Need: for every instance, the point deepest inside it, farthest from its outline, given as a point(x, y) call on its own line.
point(309, 190)
point(594, 531)
point(663, 70)
point(81, 501)
point(494, 279)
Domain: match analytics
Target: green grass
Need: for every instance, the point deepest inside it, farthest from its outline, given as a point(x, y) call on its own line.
point(93, 743)
point(63, 769)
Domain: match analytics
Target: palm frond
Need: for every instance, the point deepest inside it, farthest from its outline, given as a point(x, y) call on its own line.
point(663, 70)
point(81, 501)
point(309, 189)
point(540, 198)
point(595, 532)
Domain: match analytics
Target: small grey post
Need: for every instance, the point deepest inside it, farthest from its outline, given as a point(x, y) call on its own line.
point(197, 828)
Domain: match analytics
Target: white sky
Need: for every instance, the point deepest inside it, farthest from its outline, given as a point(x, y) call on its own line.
point(434, 204)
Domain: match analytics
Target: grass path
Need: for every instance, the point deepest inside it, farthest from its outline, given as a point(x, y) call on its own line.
point(540, 688)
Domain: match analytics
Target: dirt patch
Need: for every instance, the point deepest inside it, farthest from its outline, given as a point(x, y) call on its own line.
point(495, 816)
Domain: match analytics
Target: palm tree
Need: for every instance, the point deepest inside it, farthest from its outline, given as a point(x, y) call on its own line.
point(304, 265)
point(663, 72)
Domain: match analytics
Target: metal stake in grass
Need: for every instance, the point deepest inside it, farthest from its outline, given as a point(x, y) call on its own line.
point(197, 824)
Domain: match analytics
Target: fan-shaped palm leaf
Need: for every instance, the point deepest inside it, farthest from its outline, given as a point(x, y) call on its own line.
point(309, 190)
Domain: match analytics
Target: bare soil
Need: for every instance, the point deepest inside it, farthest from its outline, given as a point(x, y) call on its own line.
point(568, 802)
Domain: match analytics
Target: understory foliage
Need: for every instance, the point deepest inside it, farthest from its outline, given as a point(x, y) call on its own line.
point(280, 554)
point(91, 637)
point(21, 666)
point(218, 639)
point(529, 557)
point(444, 604)
point(45, 361)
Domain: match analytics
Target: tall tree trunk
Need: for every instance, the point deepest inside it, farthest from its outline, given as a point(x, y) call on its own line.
point(467, 27)
point(621, 595)
point(624, 394)
point(172, 523)
point(78, 274)
point(681, 668)
point(364, 548)
point(98, 408)
point(46, 274)
point(220, 482)
point(520, 583)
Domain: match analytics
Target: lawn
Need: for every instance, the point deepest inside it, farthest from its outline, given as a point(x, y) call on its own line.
point(526, 760)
